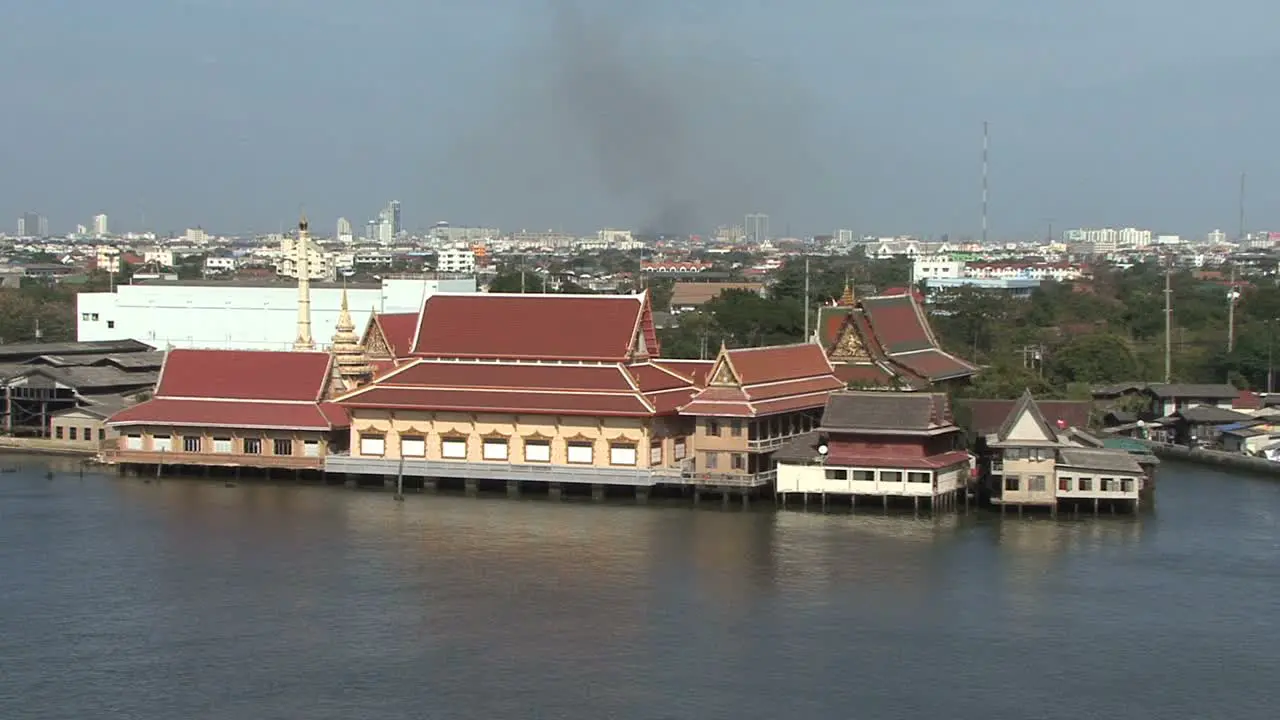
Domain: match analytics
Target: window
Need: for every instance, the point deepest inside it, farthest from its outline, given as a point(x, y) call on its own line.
point(581, 453)
point(864, 476)
point(453, 448)
point(1064, 484)
point(712, 427)
point(738, 461)
point(622, 454)
point(1013, 454)
point(282, 446)
point(712, 460)
point(413, 446)
point(679, 450)
point(222, 444)
point(84, 317)
point(133, 442)
point(1012, 482)
point(191, 444)
point(93, 316)
point(373, 444)
point(1108, 484)
point(253, 446)
point(735, 427)
point(919, 477)
point(1084, 484)
point(1035, 483)
point(57, 432)
point(655, 453)
point(72, 433)
point(537, 451)
point(88, 434)
point(1126, 485)
point(159, 443)
point(494, 449)
point(102, 433)
point(890, 476)
point(111, 324)
point(837, 474)
point(311, 448)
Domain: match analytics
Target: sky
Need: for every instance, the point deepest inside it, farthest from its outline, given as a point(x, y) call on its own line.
point(667, 115)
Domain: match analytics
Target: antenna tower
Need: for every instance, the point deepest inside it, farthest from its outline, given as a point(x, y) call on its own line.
point(985, 146)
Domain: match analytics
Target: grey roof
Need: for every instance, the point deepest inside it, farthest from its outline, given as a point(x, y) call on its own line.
point(1026, 404)
point(89, 379)
point(800, 449)
point(1210, 414)
point(14, 351)
point(1191, 390)
point(887, 411)
point(1117, 389)
point(1098, 459)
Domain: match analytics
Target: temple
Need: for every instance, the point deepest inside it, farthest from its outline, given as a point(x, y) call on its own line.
point(572, 389)
point(886, 342)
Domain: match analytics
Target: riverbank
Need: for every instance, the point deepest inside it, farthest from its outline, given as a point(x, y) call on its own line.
point(1215, 458)
point(44, 446)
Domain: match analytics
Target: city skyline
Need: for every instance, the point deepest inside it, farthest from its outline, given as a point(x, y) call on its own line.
point(677, 115)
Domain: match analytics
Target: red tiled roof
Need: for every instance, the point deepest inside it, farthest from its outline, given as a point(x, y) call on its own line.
point(934, 364)
point(864, 374)
point(695, 370)
point(853, 458)
point(591, 378)
point(244, 375)
point(898, 323)
point(397, 329)
point(653, 377)
point(534, 327)
point(1247, 400)
point(522, 401)
point(770, 380)
point(782, 362)
point(232, 414)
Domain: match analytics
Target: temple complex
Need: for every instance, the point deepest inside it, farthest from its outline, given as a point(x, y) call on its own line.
point(886, 342)
point(572, 389)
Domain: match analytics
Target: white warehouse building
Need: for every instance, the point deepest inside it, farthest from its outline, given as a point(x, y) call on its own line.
point(240, 315)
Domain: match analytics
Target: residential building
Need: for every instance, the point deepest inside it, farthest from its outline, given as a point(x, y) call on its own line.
point(100, 225)
point(1032, 463)
point(880, 444)
point(162, 257)
point(215, 264)
point(33, 225)
point(886, 342)
point(756, 228)
point(345, 234)
point(1167, 398)
point(196, 236)
point(456, 260)
point(321, 265)
point(234, 408)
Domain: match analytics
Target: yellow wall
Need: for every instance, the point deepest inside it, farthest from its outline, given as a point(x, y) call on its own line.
point(558, 430)
point(237, 440)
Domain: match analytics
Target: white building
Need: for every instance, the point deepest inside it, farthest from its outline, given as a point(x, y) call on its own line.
point(158, 256)
point(220, 264)
point(107, 258)
point(456, 260)
point(196, 236)
point(934, 266)
point(321, 265)
point(1217, 237)
point(345, 234)
point(100, 225)
point(246, 316)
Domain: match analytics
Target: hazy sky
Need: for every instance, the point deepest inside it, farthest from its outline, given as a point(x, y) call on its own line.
point(234, 114)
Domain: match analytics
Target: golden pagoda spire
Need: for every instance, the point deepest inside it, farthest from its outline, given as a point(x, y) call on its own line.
point(350, 363)
point(847, 299)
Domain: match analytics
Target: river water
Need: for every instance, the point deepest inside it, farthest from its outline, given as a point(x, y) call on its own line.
point(186, 599)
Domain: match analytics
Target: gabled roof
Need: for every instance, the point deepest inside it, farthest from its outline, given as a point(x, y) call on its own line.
point(397, 331)
point(986, 416)
point(1105, 460)
point(750, 382)
point(888, 336)
point(1211, 415)
point(887, 412)
point(511, 387)
point(609, 328)
point(244, 375)
point(1025, 422)
point(252, 389)
point(689, 294)
point(1192, 390)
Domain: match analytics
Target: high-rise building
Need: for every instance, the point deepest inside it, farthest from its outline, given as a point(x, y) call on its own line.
point(756, 227)
point(344, 230)
point(33, 225)
point(100, 224)
point(393, 215)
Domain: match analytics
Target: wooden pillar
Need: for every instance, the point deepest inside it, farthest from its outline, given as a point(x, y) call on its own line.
point(555, 491)
point(513, 488)
point(597, 493)
point(1095, 506)
point(642, 495)
point(916, 504)
point(472, 487)
point(884, 501)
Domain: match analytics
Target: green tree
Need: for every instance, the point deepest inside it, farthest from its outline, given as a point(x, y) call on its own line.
point(660, 292)
point(748, 320)
point(515, 281)
point(1096, 358)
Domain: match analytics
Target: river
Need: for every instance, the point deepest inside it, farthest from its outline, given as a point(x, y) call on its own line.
point(185, 599)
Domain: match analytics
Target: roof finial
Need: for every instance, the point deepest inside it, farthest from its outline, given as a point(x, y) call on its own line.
point(302, 222)
point(847, 299)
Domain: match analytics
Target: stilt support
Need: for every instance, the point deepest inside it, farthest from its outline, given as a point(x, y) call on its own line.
point(513, 488)
point(642, 495)
point(597, 493)
point(472, 487)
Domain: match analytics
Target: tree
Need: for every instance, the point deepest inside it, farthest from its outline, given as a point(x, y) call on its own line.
point(748, 320)
point(1096, 358)
point(510, 281)
point(660, 292)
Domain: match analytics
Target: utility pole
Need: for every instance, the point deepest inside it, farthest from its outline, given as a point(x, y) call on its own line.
point(1271, 341)
point(1168, 324)
point(1240, 238)
point(805, 335)
point(984, 182)
point(1232, 296)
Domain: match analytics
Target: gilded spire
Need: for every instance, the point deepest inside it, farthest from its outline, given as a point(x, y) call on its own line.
point(350, 362)
point(304, 340)
point(847, 299)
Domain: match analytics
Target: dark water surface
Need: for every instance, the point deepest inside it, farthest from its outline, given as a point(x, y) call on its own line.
point(186, 599)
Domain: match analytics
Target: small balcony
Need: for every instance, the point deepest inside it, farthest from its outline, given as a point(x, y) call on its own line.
point(116, 456)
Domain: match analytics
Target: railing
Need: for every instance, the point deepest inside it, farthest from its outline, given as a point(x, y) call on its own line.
point(490, 470)
point(737, 480)
point(159, 457)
